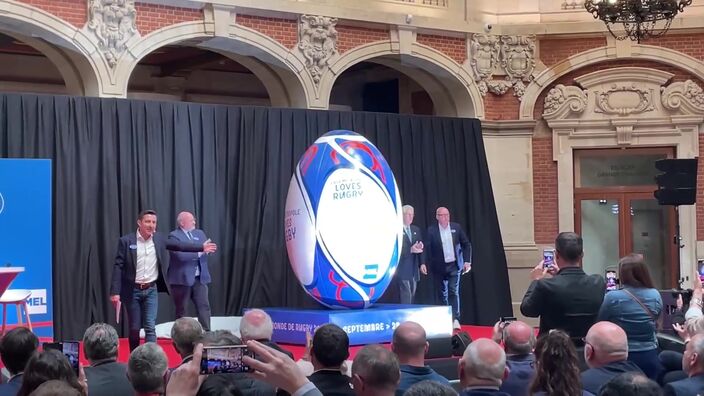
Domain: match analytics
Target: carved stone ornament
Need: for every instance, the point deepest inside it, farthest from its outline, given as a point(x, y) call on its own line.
point(317, 41)
point(685, 96)
point(113, 22)
point(624, 100)
point(512, 55)
point(564, 99)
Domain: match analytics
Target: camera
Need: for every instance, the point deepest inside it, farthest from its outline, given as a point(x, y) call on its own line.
point(488, 27)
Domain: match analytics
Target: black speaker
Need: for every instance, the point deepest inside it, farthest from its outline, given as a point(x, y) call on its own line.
point(678, 185)
point(460, 341)
point(439, 348)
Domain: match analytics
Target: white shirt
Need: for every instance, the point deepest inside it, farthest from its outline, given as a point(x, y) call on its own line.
point(448, 248)
point(147, 270)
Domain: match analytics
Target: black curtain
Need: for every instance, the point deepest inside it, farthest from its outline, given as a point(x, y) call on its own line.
point(231, 166)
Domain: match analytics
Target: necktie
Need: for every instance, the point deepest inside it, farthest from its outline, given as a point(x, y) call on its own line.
point(190, 238)
point(188, 234)
point(408, 232)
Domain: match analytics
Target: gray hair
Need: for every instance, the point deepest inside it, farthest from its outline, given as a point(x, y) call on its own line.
point(377, 366)
point(477, 367)
point(146, 368)
point(100, 342)
point(698, 348)
point(429, 388)
point(185, 333)
point(256, 325)
point(406, 208)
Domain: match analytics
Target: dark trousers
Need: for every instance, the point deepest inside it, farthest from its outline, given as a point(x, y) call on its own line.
point(407, 289)
point(141, 313)
point(198, 293)
point(447, 287)
point(649, 362)
point(672, 365)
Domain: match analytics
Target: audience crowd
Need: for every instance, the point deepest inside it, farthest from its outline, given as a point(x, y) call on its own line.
point(589, 343)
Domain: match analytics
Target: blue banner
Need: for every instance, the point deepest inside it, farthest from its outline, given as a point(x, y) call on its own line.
point(363, 326)
point(25, 237)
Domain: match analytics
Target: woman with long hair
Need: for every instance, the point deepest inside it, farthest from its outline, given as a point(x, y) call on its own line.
point(45, 366)
point(556, 367)
point(636, 308)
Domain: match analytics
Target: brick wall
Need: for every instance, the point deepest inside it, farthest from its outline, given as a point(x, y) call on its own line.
point(72, 11)
point(454, 47)
point(553, 51)
point(151, 17)
point(690, 44)
point(501, 107)
point(285, 31)
point(700, 191)
point(349, 37)
point(545, 203)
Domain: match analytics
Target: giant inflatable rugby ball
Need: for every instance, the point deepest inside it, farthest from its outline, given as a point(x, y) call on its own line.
point(343, 221)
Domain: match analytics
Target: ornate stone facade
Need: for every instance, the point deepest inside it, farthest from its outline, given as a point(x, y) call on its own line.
point(511, 56)
point(113, 23)
point(317, 41)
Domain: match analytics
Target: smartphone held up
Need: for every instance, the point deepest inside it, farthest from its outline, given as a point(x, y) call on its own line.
point(225, 360)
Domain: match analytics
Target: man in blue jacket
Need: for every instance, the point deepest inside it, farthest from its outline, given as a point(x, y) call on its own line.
point(188, 274)
point(693, 365)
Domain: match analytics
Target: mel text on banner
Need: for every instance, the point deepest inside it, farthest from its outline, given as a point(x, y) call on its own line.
point(25, 236)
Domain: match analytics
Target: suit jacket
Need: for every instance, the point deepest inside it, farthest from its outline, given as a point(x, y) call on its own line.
point(108, 378)
point(692, 386)
point(569, 301)
point(434, 252)
point(12, 386)
point(408, 262)
point(594, 378)
point(125, 269)
point(182, 265)
point(332, 383)
point(520, 376)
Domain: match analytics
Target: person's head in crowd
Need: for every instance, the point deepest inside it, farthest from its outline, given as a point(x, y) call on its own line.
point(693, 357)
point(630, 384)
point(256, 325)
point(146, 369)
point(483, 364)
point(429, 388)
point(146, 223)
point(330, 347)
point(409, 344)
point(46, 366)
point(519, 338)
point(55, 388)
point(186, 221)
point(633, 272)
point(219, 385)
point(100, 342)
point(442, 215)
point(219, 338)
point(568, 249)
point(556, 365)
point(375, 371)
point(185, 333)
point(408, 213)
point(16, 348)
point(605, 343)
point(694, 326)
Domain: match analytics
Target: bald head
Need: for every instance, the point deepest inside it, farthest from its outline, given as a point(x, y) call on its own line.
point(519, 338)
point(256, 325)
point(409, 342)
point(605, 342)
point(483, 363)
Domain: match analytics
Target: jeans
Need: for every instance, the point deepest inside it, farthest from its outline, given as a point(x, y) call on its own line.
point(672, 363)
point(198, 293)
point(407, 289)
point(141, 313)
point(447, 285)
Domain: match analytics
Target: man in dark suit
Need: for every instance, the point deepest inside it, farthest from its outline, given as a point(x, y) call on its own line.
point(606, 354)
point(188, 276)
point(693, 365)
point(569, 300)
point(449, 251)
point(105, 375)
point(410, 260)
point(329, 350)
point(16, 347)
point(138, 274)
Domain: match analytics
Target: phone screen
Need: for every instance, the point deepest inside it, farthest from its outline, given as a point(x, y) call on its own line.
point(224, 359)
point(69, 349)
point(611, 281)
point(548, 258)
point(700, 269)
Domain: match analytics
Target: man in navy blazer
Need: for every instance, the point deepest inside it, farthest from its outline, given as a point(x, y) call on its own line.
point(693, 365)
point(188, 274)
point(138, 274)
point(449, 251)
point(410, 260)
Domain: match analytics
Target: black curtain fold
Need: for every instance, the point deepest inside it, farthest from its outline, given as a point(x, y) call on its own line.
point(231, 166)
